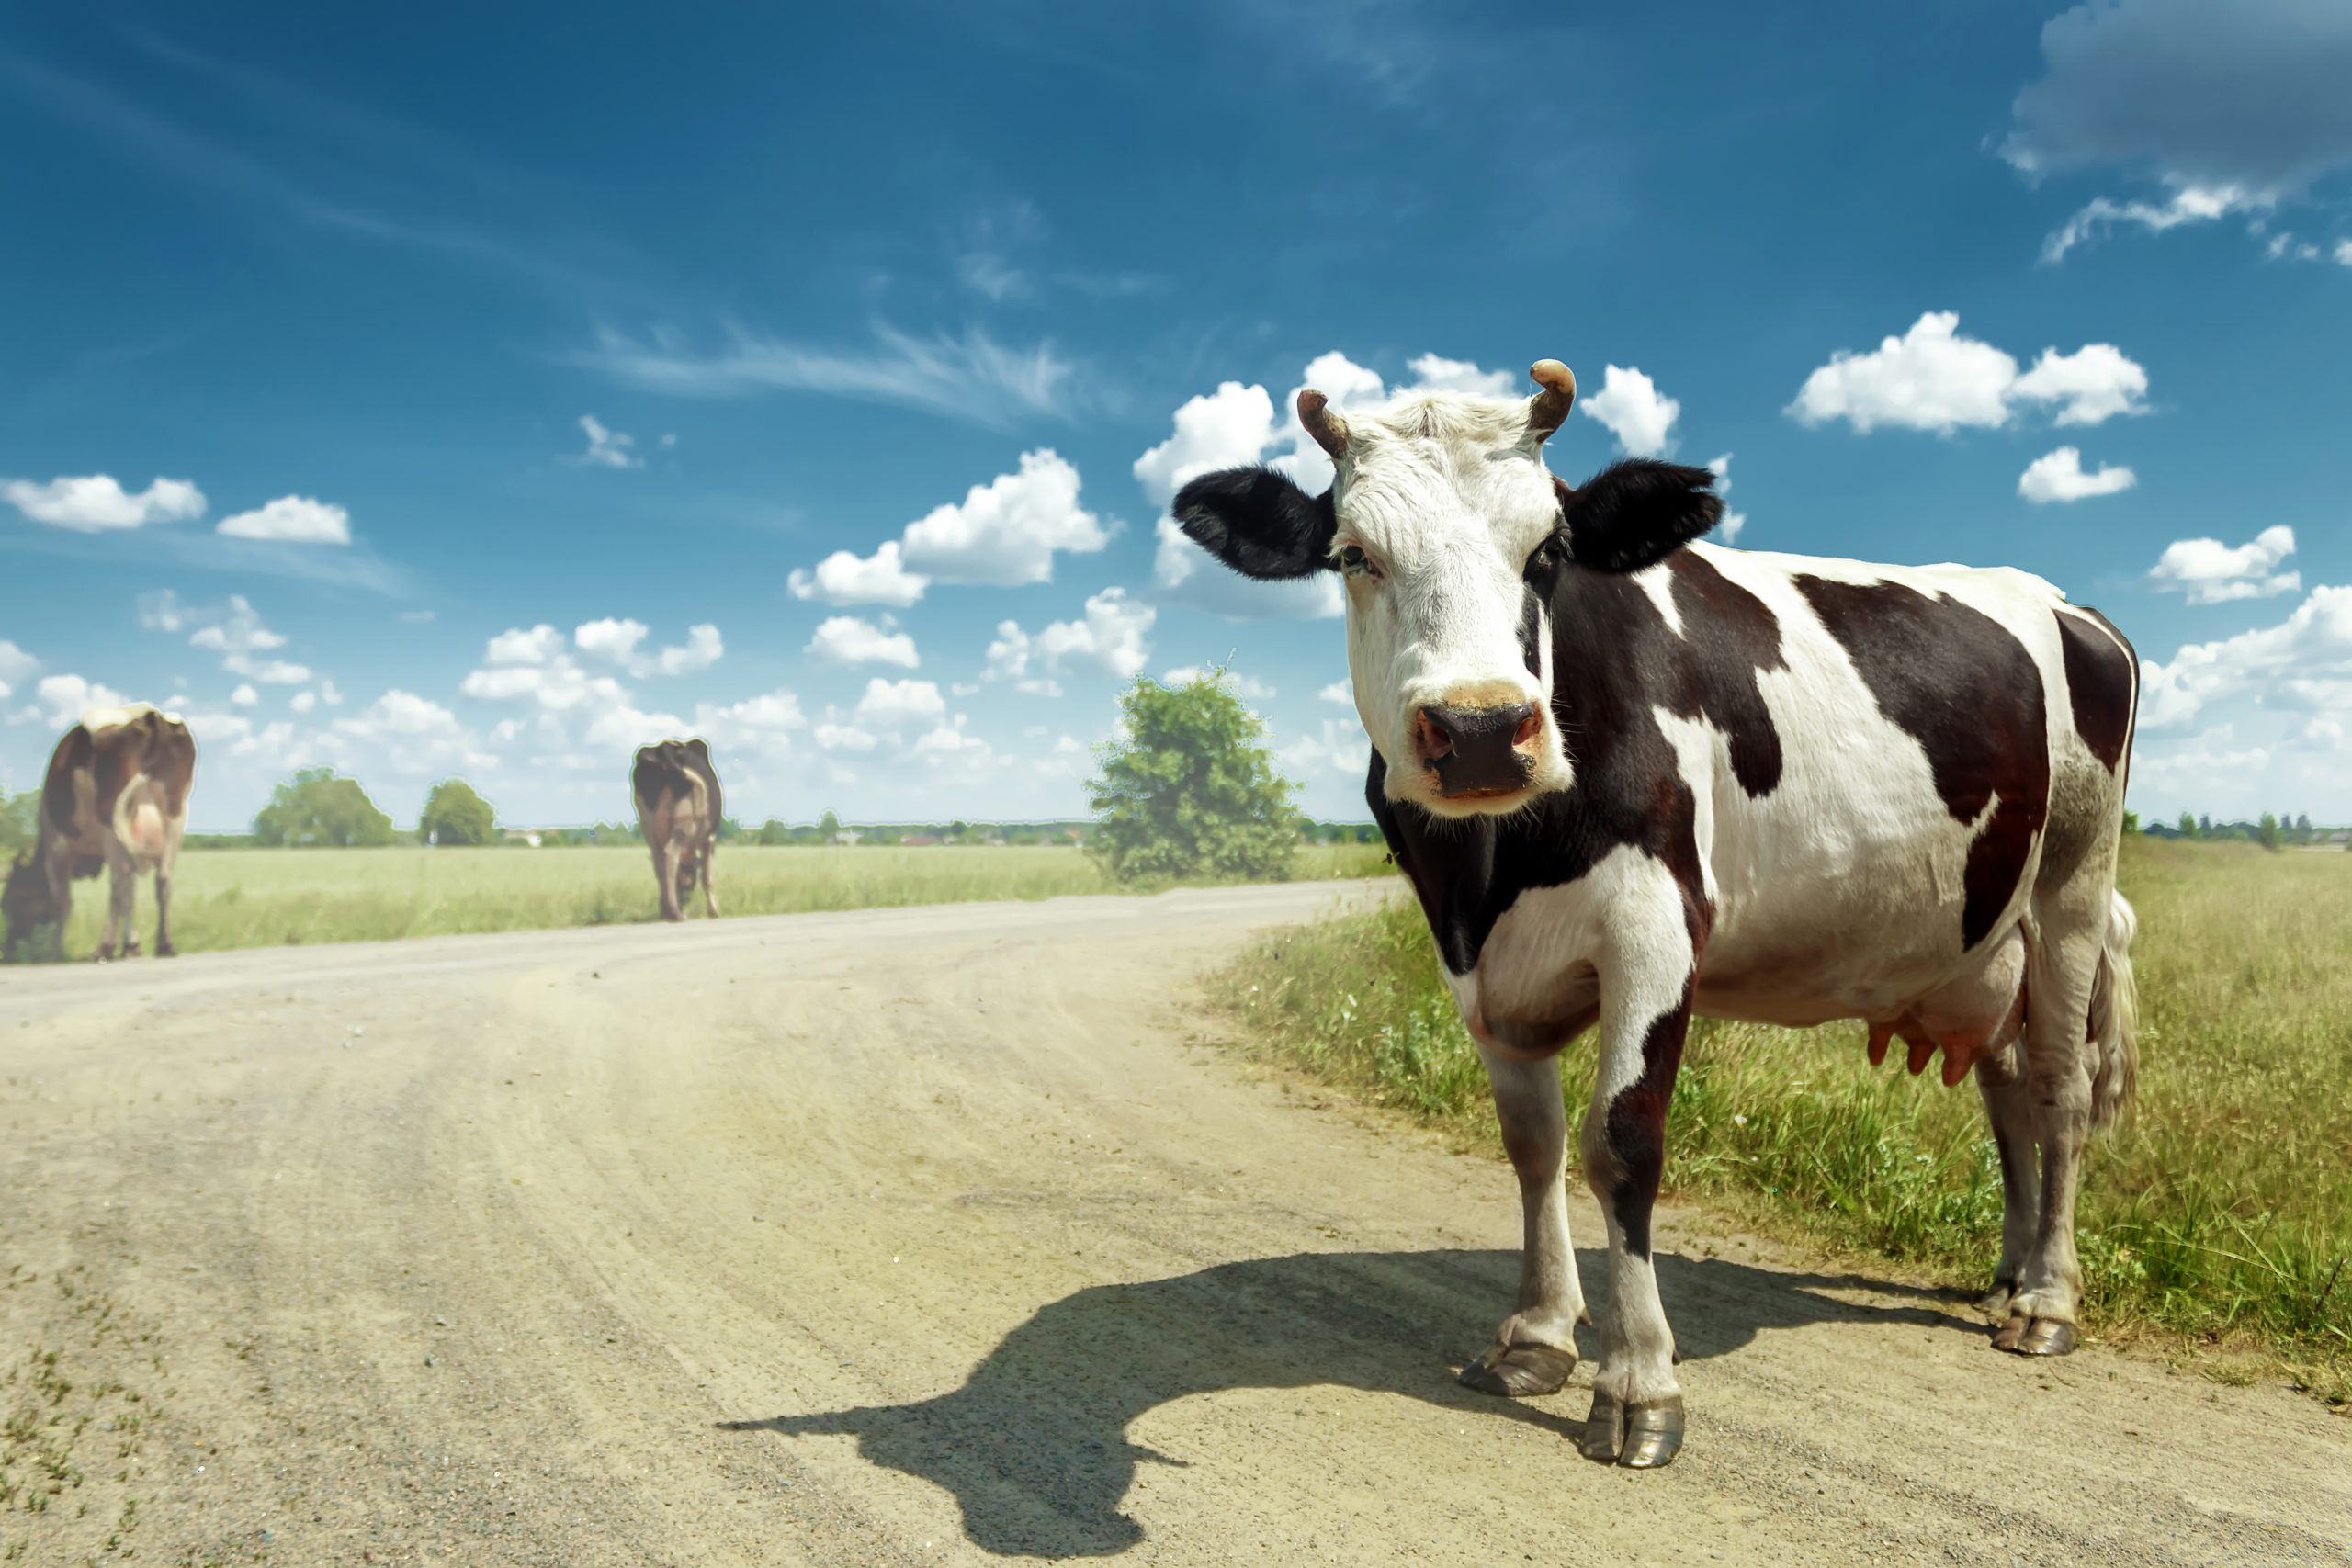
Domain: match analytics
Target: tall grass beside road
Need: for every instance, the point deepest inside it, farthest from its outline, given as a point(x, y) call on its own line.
point(227, 898)
point(2222, 1215)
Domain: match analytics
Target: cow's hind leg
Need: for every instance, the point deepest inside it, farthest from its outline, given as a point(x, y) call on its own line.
point(122, 891)
point(163, 948)
point(709, 893)
point(2077, 1015)
point(1536, 1349)
point(665, 875)
point(2009, 1108)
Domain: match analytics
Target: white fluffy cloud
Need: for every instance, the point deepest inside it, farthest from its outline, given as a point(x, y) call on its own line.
point(534, 666)
point(1733, 522)
point(1111, 637)
point(15, 664)
point(894, 704)
point(842, 578)
point(845, 639)
point(1934, 378)
point(2210, 572)
point(238, 636)
point(1007, 659)
point(244, 696)
point(2059, 476)
point(291, 519)
point(606, 448)
point(1639, 415)
point(616, 641)
point(1002, 534)
point(1336, 745)
point(2230, 107)
point(2303, 664)
point(61, 700)
point(764, 722)
point(1342, 692)
point(96, 503)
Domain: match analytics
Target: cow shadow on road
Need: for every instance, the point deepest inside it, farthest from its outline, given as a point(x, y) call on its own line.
point(1035, 1445)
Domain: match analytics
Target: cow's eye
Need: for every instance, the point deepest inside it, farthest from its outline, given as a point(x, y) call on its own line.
point(1354, 561)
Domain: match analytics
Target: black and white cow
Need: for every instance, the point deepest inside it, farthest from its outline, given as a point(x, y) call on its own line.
point(1634, 777)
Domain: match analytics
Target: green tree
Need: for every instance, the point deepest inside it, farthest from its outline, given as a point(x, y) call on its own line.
point(2188, 825)
point(20, 821)
point(2267, 835)
point(454, 814)
point(826, 825)
point(314, 807)
point(1190, 792)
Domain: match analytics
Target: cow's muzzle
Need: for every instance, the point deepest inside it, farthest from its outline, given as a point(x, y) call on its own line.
point(1476, 751)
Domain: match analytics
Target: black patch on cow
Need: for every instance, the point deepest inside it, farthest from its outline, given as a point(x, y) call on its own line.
point(1636, 1126)
point(1615, 660)
point(1636, 513)
point(666, 763)
point(1965, 687)
point(1259, 523)
point(1739, 638)
point(2099, 683)
point(71, 755)
point(1531, 630)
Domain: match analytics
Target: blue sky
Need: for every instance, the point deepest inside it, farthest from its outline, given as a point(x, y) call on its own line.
point(488, 392)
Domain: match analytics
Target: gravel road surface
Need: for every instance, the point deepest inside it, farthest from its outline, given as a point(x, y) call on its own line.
point(923, 1235)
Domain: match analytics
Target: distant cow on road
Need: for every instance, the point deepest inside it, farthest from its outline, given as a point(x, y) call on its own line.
point(678, 810)
point(115, 798)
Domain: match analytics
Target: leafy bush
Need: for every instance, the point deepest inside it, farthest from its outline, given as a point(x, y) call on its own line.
point(1190, 792)
point(454, 814)
point(315, 808)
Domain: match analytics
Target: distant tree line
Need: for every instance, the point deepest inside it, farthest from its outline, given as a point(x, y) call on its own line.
point(319, 809)
point(2271, 831)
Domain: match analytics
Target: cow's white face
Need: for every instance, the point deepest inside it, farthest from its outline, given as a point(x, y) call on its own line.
point(1439, 507)
point(1439, 504)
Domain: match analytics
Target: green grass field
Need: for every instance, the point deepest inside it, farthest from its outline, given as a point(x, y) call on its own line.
point(2219, 1222)
point(225, 898)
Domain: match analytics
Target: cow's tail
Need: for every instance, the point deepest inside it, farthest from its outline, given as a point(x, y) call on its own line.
point(2115, 1022)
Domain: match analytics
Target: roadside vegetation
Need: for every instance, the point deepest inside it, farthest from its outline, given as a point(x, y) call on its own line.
point(227, 898)
point(2220, 1221)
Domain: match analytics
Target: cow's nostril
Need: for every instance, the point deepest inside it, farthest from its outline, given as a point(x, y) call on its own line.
point(1436, 739)
point(1526, 730)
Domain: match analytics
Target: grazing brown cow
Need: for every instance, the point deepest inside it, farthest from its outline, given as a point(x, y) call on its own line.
point(678, 809)
point(115, 798)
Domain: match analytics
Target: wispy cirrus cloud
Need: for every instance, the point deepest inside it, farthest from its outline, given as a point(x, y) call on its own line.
point(972, 377)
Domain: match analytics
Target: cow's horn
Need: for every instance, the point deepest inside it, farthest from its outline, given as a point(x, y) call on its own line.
point(1330, 432)
point(1547, 408)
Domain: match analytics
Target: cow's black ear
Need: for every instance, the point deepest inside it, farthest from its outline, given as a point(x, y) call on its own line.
point(1637, 512)
point(1260, 523)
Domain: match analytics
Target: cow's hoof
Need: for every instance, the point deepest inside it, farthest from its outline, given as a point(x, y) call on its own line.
point(1995, 1303)
point(1519, 1371)
point(165, 949)
point(2035, 1336)
point(1647, 1437)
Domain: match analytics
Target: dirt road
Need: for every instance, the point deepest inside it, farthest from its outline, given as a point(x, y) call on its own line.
point(921, 1236)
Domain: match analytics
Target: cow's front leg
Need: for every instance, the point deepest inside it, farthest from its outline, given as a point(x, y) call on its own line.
point(1636, 1419)
point(1536, 1349)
